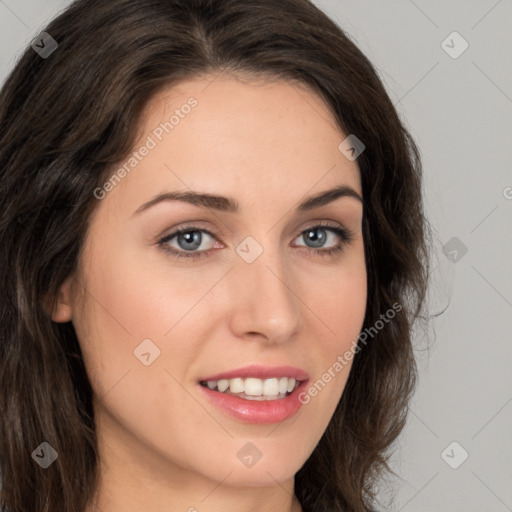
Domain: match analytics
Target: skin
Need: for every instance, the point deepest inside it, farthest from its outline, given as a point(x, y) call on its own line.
point(164, 446)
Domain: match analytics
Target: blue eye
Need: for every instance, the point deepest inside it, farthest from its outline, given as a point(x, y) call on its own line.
point(190, 238)
point(317, 235)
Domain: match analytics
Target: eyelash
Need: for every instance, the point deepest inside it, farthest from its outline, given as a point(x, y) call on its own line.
point(343, 233)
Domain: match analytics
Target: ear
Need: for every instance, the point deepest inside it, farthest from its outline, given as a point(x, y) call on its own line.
point(63, 310)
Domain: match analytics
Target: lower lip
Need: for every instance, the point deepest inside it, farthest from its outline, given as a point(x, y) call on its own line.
point(255, 411)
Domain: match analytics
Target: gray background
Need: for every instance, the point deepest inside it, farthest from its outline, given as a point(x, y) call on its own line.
point(459, 111)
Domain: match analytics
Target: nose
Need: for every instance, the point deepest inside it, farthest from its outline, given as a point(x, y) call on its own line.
point(264, 303)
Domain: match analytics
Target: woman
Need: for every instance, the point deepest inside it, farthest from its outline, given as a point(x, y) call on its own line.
point(214, 250)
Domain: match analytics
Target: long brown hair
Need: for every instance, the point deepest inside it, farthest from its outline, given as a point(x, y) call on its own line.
point(67, 118)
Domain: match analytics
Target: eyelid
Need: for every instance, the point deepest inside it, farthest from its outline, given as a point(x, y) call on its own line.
point(186, 229)
point(192, 226)
point(323, 224)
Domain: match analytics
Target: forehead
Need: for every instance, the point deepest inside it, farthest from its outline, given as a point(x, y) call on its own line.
point(262, 106)
point(250, 139)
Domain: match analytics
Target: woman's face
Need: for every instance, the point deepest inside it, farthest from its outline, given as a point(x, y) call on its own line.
point(254, 300)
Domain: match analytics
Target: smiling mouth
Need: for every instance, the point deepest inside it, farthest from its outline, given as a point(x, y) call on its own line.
point(251, 388)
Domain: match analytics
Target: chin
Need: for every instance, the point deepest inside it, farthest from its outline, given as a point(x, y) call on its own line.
point(265, 476)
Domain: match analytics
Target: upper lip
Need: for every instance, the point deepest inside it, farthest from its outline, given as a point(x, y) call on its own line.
point(260, 372)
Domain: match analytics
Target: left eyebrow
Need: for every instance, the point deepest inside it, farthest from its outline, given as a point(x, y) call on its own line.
point(230, 205)
point(327, 197)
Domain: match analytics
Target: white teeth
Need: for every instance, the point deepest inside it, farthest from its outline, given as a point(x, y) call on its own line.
point(291, 385)
point(236, 385)
point(223, 384)
point(254, 389)
point(271, 387)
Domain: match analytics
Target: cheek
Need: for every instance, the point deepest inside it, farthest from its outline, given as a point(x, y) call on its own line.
point(339, 302)
point(340, 306)
point(151, 293)
point(130, 299)
point(133, 296)
point(122, 308)
point(126, 304)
